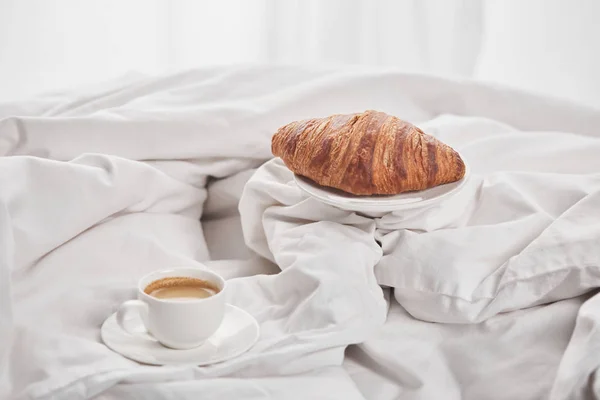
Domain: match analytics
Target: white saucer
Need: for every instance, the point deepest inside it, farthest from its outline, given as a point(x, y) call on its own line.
point(403, 201)
point(236, 335)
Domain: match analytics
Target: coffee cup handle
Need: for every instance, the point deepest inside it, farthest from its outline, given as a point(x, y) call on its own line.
point(132, 306)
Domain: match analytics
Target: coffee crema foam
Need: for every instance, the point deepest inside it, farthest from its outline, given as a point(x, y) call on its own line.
point(181, 288)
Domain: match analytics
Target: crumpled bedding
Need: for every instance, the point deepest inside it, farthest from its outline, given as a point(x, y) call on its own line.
point(489, 295)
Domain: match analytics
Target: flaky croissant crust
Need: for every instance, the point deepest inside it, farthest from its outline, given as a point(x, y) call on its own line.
point(369, 153)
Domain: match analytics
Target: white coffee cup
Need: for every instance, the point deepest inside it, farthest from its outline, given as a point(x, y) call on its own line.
point(174, 323)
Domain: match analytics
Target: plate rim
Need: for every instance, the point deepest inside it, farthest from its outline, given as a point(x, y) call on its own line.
point(375, 204)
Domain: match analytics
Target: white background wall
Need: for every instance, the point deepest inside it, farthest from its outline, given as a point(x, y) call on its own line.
point(548, 46)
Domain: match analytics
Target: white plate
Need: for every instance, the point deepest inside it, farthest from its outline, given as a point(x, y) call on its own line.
point(236, 335)
point(404, 201)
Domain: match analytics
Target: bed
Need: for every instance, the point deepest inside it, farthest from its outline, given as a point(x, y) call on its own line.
point(490, 295)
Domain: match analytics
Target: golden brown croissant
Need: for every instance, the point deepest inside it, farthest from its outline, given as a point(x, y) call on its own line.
point(370, 153)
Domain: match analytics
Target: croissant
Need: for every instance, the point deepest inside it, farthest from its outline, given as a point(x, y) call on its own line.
point(370, 153)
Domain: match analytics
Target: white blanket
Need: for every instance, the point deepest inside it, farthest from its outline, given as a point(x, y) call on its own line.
point(99, 187)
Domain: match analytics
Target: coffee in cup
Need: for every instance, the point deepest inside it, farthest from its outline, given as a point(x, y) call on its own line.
point(181, 288)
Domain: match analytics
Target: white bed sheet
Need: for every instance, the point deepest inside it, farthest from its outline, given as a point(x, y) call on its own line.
point(98, 188)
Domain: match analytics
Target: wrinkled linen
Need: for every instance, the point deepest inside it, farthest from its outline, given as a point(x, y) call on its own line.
point(489, 295)
point(509, 240)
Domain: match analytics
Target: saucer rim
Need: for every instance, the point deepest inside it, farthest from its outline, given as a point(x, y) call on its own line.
point(184, 363)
